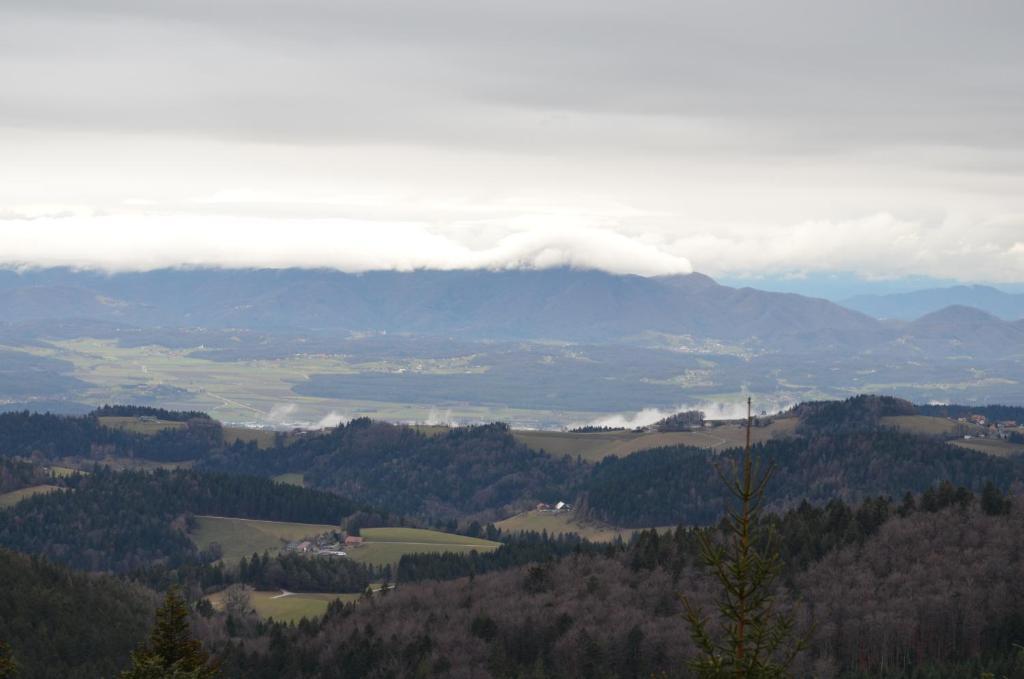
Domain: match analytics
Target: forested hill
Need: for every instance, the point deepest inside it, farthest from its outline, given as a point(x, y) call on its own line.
point(881, 590)
point(47, 436)
point(666, 485)
point(466, 470)
point(839, 449)
point(59, 623)
point(125, 521)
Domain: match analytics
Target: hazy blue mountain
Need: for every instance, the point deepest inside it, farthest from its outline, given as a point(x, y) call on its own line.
point(966, 330)
point(519, 305)
point(554, 304)
point(911, 305)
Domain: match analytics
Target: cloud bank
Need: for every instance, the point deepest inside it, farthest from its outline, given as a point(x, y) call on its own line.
point(878, 246)
point(131, 244)
point(649, 137)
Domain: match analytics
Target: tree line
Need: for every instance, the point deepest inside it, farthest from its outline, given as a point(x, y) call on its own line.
point(128, 521)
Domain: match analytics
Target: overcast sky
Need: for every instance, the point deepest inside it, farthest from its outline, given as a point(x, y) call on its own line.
point(764, 139)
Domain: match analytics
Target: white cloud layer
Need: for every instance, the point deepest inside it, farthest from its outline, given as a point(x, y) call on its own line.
point(879, 246)
point(126, 243)
point(753, 138)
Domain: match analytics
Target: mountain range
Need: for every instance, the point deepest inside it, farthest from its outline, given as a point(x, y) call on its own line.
point(564, 305)
point(911, 305)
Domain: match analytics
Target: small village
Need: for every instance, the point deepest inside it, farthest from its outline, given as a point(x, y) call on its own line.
point(1002, 429)
point(331, 544)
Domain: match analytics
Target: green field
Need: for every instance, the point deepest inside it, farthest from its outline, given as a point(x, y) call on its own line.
point(294, 479)
point(995, 447)
point(556, 524)
point(138, 426)
point(61, 472)
point(924, 424)
point(422, 536)
point(596, 446)
point(290, 608)
point(388, 545)
point(15, 496)
point(263, 438)
point(242, 537)
point(247, 391)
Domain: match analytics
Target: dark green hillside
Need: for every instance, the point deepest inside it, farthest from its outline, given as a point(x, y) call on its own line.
point(667, 485)
point(127, 521)
point(463, 471)
point(47, 436)
point(62, 624)
point(889, 589)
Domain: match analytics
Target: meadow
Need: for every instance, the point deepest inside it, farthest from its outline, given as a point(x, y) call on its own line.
point(595, 446)
point(139, 426)
point(995, 447)
point(243, 537)
point(289, 608)
point(925, 424)
point(557, 524)
point(15, 496)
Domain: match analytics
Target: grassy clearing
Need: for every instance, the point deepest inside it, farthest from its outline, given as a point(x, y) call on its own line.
point(556, 524)
point(388, 545)
point(263, 438)
point(15, 496)
point(291, 608)
point(596, 446)
point(432, 429)
point(382, 553)
point(422, 536)
point(138, 426)
point(139, 464)
point(242, 537)
point(292, 479)
point(61, 472)
point(923, 424)
point(995, 447)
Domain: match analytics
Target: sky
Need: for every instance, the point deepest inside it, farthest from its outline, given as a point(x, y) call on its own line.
point(750, 141)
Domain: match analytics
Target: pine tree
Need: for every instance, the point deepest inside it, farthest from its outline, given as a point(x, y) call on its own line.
point(8, 668)
point(171, 651)
point(757, 640)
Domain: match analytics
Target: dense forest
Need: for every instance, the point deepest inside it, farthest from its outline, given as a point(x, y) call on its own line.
point(887, 586)
point(991, 412)
point(43, 437)
point(15, 474)
point(884, 582)
point(544, 606)
point(60, 623)
point(666, 485)
point(840, 450)
point(478, 470)
point(858, 413)
point(128, 521)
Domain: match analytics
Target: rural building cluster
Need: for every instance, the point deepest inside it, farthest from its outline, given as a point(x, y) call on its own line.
point(332, 544)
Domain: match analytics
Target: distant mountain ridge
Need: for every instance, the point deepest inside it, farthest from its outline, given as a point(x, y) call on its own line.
point(553, 304)
point(568, 305)
point(967, 329)
point(911, 305)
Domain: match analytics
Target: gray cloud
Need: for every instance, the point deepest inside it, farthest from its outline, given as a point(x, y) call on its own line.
point(802, 75)
point(879, 137)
